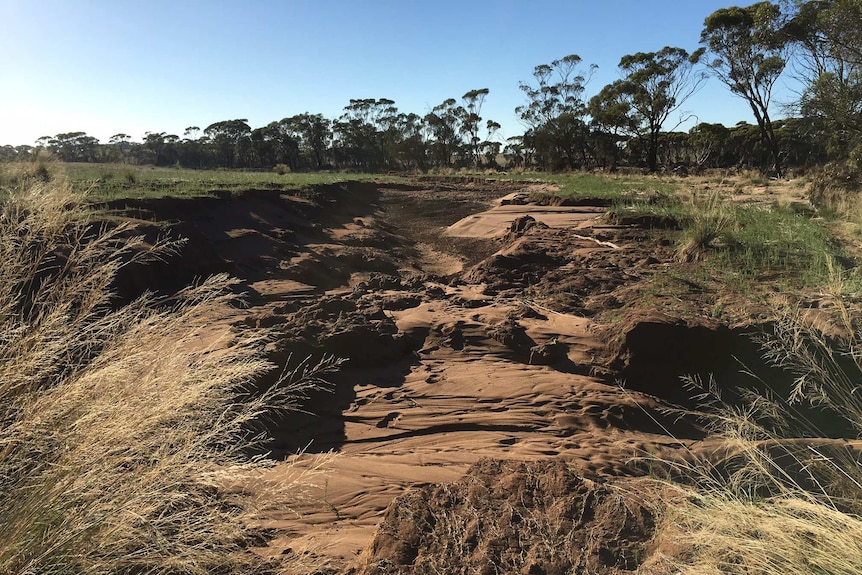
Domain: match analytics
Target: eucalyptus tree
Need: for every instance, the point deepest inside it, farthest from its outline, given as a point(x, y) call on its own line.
point(827, 37)
point(444, 127)
point(516, 152)
point(491, 148)
point(74, 146)
point(161, 148)
point(412, 148)
point(708, 143)
point(271, 145)
point(747, 52)
point(120, 144)
point(191, 148)
point(654, 86)
point(471, 121)
point(612, 123)
point(230, 139)
point(314, 134)
point(555, 110)
point(360, 133)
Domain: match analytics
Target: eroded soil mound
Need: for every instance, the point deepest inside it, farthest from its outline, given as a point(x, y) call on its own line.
point(536, 518)
point(258, 235)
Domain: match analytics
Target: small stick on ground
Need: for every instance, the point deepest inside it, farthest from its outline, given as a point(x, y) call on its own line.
point(600, 242)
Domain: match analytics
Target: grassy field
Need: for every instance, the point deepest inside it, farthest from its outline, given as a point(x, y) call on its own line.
point(112, 181)
point(604, 186)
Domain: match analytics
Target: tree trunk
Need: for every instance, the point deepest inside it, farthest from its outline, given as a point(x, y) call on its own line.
point(652, 154)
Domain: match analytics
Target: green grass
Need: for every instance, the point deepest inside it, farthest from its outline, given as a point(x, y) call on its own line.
point(604, 186)
point(777, 240)
point(104, 182)
point(744, 243)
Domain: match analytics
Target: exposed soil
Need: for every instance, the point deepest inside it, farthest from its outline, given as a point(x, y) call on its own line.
point(481, 420)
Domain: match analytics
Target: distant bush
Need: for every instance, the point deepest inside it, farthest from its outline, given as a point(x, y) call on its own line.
point(124, 445)
point(281, 169)
point(106, 174)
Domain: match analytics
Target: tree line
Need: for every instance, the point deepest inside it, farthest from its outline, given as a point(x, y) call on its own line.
point(625, 123)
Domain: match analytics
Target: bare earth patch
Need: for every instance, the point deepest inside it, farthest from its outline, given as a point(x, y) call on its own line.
point(480, 418)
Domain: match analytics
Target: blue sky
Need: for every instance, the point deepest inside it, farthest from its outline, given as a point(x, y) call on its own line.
point(109, 66)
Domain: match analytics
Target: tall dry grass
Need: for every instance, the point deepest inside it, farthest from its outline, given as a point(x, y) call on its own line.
point(124, 432)
point(782, 494)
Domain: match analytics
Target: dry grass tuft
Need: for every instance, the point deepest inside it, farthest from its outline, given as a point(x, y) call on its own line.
point(780, 498)
point(708, 220)
point(125, 432)
point(716, 534)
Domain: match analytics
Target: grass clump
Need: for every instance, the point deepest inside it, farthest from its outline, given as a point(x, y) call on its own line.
point(705, 222)
point(741, 241)
point(126, 432)
point(779, 495)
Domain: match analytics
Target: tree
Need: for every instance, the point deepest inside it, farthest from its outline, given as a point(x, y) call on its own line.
point(471, 120)
point(231, 141)
point(191, 149)
point(708, 143)
point(612, 123)
point(74, 146)
point(554, 112)
point(411, 151)
point(314, 133)
point(443, 123)
point(747, 53)
point(746, 146)
point(514, 150)
point(656, 84)
point(363, 133)
point(121, 144)
point(162, 148)
point(828, 39)
point(490, 147)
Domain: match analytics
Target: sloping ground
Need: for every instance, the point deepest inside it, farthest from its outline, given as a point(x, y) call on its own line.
point(476, 330)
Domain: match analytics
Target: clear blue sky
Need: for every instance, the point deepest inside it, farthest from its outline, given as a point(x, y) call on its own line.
point(109, 66)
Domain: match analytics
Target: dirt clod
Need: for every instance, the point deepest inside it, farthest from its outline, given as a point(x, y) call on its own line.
point(513, 517)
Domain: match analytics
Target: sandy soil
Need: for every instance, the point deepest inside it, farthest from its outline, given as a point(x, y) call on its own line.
point(476, 327)
point(495, 222)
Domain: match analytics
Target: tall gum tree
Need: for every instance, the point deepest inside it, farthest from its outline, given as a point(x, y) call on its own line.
point(826, 36)
point(471, 120)
point(612, 124)
point(747, 52)
point(655, 85)
point(555, 110)
point(443, 123)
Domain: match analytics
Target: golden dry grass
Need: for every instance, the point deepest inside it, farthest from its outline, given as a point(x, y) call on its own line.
point(781, 498)
point(123, 428)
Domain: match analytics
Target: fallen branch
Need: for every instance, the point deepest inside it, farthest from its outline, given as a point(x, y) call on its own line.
point(600, 242)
